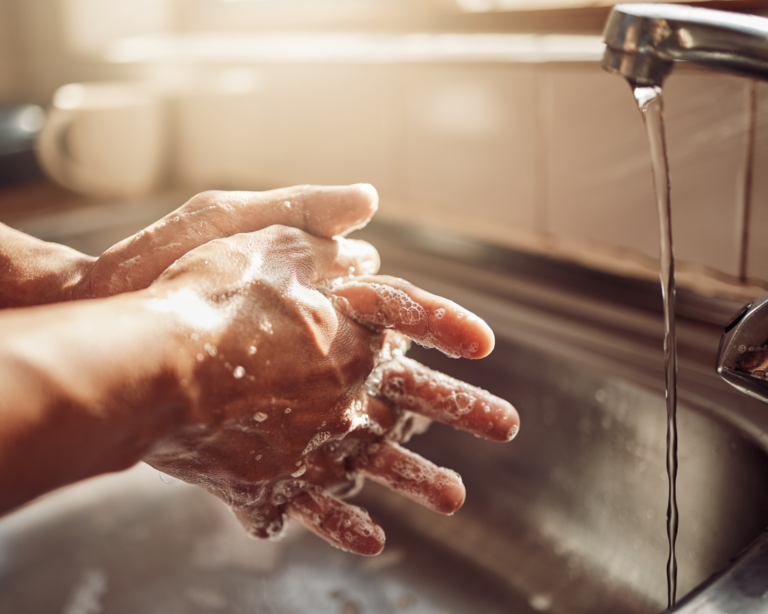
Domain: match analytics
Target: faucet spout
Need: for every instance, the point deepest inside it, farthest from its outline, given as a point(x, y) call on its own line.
point(643, 41)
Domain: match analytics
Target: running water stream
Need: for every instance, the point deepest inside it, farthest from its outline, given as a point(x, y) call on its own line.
point(651, 105)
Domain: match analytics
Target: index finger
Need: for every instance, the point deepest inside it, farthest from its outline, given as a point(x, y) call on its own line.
point(407, 384)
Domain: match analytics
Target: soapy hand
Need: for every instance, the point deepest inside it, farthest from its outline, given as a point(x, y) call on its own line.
point(299, 384)
point(133, 264)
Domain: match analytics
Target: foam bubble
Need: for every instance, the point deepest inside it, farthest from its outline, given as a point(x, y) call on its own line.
point(316, 441)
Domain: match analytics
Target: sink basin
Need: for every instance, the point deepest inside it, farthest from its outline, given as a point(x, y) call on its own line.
point(568, 518)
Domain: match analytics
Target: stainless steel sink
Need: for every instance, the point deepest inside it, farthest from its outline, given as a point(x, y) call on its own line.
point(568, 518)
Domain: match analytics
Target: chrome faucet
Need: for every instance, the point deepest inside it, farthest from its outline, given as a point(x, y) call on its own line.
point(643, 41)
point(742, 359)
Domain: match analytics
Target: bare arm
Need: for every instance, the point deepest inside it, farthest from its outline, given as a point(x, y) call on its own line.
point(88, 388)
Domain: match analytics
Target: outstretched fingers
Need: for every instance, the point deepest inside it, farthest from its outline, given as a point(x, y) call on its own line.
point(407, 384)
point(342, 525)
point(389, 302)
point(412, 476)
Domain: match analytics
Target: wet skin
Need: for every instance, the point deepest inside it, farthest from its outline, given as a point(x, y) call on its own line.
point(281, 380)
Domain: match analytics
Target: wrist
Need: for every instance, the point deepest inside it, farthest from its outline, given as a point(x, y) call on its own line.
point(33, 272)
point(187, 323)
point(169, 389)
point(75, 278)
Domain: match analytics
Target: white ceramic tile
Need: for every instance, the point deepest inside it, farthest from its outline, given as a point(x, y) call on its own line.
point(301, 124)
point(599, 183)
point(757, 265)
point(468, 145)
point(707, 140)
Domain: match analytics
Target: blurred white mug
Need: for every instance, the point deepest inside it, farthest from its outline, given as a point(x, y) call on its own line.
point(104, 139)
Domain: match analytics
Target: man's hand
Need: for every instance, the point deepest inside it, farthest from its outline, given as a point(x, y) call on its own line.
point(299, 383)
point(33, 272)
point(133, 264)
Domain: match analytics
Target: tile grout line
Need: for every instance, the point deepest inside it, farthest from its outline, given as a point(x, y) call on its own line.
point(744, 204)
point(541, 149)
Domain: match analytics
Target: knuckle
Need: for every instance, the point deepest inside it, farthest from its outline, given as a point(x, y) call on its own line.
point(292, 244)
point(205, 199)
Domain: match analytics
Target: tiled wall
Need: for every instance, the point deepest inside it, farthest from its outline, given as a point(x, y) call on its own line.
point(551, 157)
point(599, 182)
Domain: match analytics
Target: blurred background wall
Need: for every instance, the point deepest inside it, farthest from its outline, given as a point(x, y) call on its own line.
point(491, 119)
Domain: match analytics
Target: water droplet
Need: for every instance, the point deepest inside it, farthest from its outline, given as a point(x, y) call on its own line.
point(211, 349)
point(200, 357)
point(238, 372)
point(258, 457)
point(287, 410)
point(252, 350)
point(259, 416)
point(194, 336)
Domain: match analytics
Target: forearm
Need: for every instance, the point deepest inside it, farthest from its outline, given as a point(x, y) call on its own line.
point(34, 272)
point(87, 388)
